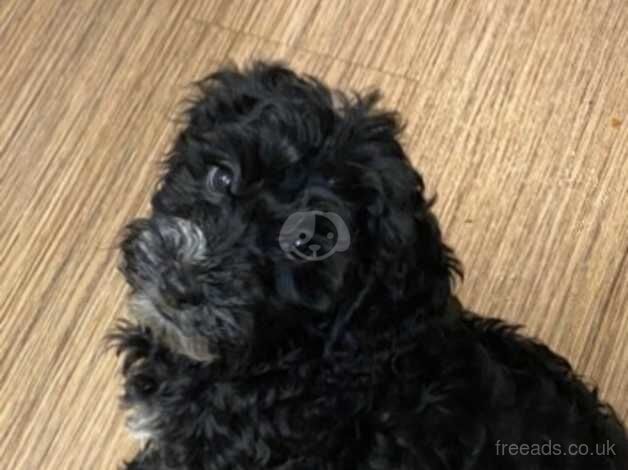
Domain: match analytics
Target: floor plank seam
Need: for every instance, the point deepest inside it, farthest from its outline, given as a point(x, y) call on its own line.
point(321, 55)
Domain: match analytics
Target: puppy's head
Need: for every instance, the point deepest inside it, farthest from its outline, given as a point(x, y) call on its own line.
point(283, 205)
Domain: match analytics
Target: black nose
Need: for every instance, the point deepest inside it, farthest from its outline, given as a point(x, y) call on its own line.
point(181, 287)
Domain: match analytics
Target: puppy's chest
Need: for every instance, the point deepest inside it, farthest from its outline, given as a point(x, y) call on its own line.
point(273, 405)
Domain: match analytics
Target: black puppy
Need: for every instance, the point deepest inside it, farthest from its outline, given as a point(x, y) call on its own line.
point(292, 307)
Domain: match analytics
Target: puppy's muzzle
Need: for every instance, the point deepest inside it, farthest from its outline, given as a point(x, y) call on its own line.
point(162, 261)
point(162, 258)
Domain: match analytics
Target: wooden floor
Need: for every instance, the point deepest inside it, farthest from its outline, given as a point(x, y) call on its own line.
point(517, 114)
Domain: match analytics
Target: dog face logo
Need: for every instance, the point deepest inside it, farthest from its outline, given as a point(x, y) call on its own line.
point(313, 235)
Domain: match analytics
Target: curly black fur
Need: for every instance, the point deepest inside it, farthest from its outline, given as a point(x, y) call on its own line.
point(241, 357)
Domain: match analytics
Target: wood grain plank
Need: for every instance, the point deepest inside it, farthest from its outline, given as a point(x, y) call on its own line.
point(277, 20)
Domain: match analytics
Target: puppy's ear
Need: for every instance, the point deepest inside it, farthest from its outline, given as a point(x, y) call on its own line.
point(403, 240)
point(416, 265)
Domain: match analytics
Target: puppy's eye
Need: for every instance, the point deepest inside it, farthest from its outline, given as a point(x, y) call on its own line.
point(219, 179)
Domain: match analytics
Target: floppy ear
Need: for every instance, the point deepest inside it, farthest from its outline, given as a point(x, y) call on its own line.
point(416, 266)
point(408, 256)
point(413, 263)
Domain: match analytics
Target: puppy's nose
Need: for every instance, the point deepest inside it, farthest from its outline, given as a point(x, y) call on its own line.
point(314, 247)
point(180, 288)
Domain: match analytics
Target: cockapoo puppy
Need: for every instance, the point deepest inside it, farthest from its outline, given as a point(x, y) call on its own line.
point(292, 309)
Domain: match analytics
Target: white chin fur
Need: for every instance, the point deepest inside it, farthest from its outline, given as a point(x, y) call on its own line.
point(143, 309)
point(143, 424)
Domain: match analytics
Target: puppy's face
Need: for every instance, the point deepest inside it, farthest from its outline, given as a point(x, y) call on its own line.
point(278, 202)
